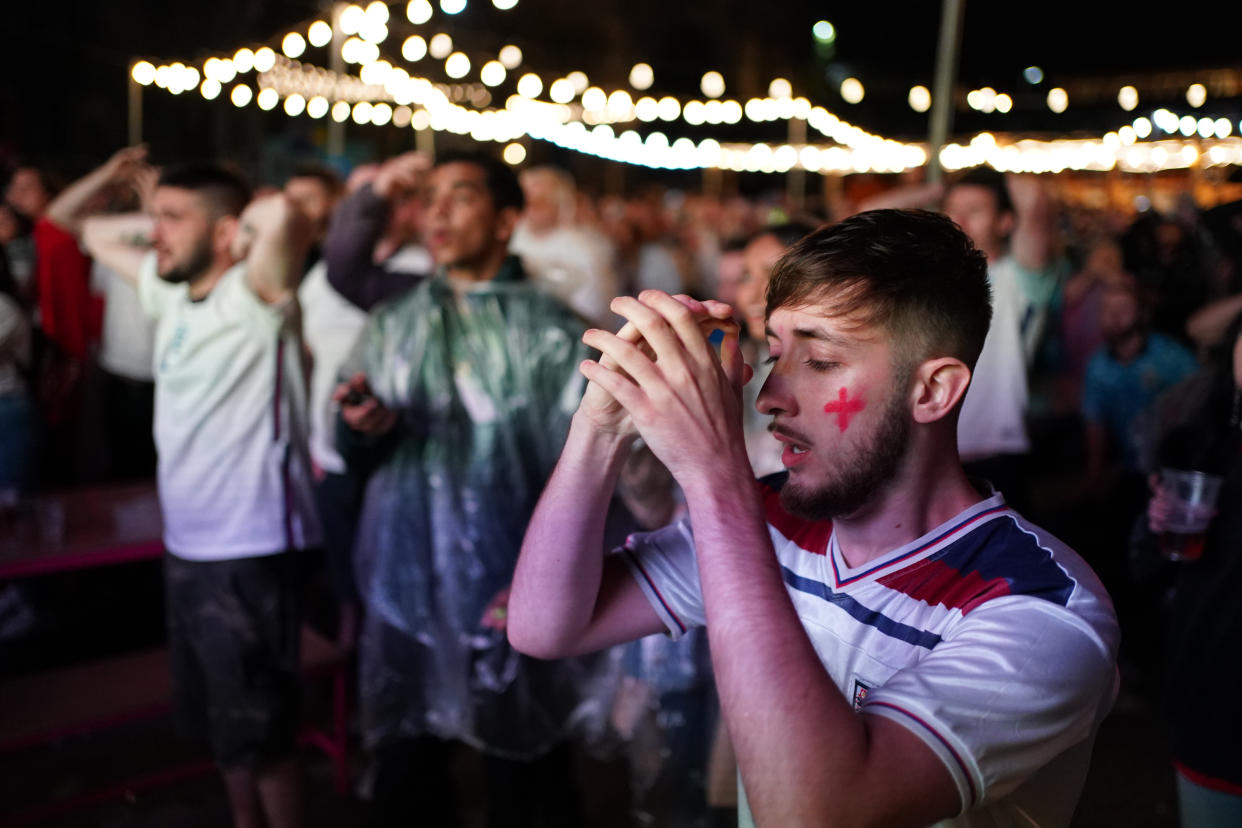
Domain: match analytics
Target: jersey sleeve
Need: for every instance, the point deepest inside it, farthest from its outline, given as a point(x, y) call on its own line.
point(664, 565)
point(1019, 683)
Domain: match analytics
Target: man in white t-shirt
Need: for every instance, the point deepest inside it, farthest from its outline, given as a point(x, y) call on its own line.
point(892, 645)
point(1009, 218)
point(233, 472)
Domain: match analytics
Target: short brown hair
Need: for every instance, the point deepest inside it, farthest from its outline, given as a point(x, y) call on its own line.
point(912, 272)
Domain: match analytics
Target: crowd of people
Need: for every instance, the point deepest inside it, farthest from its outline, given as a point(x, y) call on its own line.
point(428, 370)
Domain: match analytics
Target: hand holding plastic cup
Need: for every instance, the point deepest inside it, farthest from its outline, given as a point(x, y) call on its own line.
point(1190, 499)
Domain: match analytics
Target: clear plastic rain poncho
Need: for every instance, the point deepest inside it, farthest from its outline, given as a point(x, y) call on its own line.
point(485, 382)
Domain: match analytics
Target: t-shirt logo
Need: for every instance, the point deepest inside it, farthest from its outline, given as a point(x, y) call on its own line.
point(860, 693)
point(173, 349)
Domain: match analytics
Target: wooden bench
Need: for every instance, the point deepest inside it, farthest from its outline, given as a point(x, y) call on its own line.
point(110, 692)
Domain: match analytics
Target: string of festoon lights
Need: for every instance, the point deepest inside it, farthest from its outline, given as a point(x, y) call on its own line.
point(587, 118)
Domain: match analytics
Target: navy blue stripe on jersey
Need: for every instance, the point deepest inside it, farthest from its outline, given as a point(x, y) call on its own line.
point(920, 549)
point(1003, 550)
point(860, 613)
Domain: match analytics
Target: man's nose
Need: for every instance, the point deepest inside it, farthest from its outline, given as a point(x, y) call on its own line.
point(775, 397)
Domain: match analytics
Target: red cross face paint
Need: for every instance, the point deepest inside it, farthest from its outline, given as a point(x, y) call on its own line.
point(844, 408)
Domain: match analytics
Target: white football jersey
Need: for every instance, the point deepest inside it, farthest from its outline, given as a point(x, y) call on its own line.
point(988, 638)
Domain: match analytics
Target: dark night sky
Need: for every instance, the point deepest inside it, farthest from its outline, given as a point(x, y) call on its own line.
point(64, 65)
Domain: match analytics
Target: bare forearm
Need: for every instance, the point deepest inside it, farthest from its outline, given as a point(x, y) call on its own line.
point(356, 226)
point(69, 208)
point(118, 241)
point(274, 238)
point(755, 635)
point(806, 757)
point(1031, 242)
point(1208, 325)
point(560, 570)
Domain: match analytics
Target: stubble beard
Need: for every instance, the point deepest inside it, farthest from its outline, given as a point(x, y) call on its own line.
point(194, 266)
point(859, 478)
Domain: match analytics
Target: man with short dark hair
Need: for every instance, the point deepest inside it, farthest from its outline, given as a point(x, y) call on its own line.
point(465, 391)
point(218, 275)
point(892, 645)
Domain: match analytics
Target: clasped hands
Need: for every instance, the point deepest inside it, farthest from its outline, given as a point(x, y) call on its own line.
point(661, 378)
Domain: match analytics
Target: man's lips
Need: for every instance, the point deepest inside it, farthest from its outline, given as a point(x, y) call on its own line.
point(797, 446)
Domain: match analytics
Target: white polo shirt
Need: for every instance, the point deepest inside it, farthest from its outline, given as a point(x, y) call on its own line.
point(230, 413)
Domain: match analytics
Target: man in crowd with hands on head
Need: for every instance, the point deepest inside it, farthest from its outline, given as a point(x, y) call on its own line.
point(218, 273)
point(457, 415)
point(892, 645)
point(372, 245)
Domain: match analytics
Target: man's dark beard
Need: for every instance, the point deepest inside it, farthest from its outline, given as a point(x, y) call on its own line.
point(859, 480)
point(195, 266)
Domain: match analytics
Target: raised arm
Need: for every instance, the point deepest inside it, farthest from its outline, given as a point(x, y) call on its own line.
point(273, 238)
point(119, 241)
point(567, 596)
point(126, 167)
point(1207, 326)
point(1032, 238)
point(358, 224)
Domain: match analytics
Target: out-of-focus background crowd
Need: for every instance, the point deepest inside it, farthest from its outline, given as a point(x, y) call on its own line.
point(1134, 312)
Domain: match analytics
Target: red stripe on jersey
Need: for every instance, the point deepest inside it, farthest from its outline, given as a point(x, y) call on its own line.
point(935, 582)
point(810, 535)
point(1209, 782)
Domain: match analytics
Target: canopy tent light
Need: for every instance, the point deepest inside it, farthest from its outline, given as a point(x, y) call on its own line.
point(641, 76)
point(418, 11)
point(581, 117)
point(319, 34)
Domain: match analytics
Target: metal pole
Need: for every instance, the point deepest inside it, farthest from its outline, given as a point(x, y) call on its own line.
point(711, 182)
point(336, 131)
point(795, 181)
point(951, 13)
point(135, 110)
point(425, 142)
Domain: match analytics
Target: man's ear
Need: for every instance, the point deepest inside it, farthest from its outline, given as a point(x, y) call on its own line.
point(939, 386)
point(506, 221)
point(223, 234)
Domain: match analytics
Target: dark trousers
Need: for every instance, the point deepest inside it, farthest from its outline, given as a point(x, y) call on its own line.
point(415, 785)
point(339, 500)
